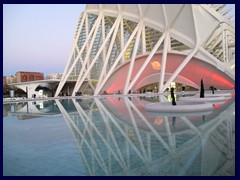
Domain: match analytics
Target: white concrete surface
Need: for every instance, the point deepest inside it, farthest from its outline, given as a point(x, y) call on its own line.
point(216, 95)
point(213, 100)
point(181, 107)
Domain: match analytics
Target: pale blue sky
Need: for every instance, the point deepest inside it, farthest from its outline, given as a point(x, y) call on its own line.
point(38, 37)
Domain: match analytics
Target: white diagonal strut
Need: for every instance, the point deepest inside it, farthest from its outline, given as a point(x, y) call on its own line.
point(117, 60)
point(147, 61)
point(130, 69)
point(86, 60)
point(164, 60)
point(67, 73)
point(106, 60)
point(80, 78)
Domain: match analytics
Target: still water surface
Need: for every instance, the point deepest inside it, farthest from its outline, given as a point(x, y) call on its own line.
point(116, 136)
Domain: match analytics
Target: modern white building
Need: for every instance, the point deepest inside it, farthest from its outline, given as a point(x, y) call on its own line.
point(122, 48)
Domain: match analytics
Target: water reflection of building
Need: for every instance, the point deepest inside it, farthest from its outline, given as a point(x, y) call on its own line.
point(12, 108)
point(122, 139)
point(26, 117)
point(110, 146)
point(33, 109)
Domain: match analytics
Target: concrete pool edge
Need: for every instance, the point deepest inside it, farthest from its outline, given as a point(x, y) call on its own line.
point(181, 107)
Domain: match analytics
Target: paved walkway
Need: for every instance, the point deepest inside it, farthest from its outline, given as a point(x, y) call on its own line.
point(16, 100)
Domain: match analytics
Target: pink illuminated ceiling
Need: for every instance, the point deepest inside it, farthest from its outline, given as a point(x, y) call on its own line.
point(192, 73)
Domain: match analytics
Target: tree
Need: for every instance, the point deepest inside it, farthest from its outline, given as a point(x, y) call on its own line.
point(183, 88)
point(202, 90)
point(173, 97)
point(212, 88)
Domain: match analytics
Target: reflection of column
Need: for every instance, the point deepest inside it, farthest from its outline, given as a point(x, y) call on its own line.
point(92, 125)
point(27, 108)
point(12, 108)
point(209, 148)
point(191, 125)
point(68, 119)
point(167, 127)
point(127, 148)
point(229, 139)
point(165, 145)
point(195, 152)
point(80, 150)
point(108, 152)
point(76, 141)
point(93, 162)
point(101, 107)
point(136, 130)
point(121, 161)
point(149, 146)
point(162, 98)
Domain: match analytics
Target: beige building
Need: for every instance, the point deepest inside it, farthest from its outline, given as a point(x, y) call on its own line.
point(11, 79)
point(54, 76)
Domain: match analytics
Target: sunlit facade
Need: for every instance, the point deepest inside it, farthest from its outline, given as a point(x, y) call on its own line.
point(122, 48)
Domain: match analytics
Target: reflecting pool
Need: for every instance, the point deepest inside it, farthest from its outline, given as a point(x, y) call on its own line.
point(116, 136)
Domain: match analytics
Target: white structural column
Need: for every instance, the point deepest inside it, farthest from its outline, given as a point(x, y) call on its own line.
point(179, 69)
point(86, 60)
point(30, 89)
point(103, 72)
point(87, 47)
point(164, 60)
point(117, 60)
point(146, 61)
point(122, 39)
point(189, 57)
point(165, 50)
point(71, 54)
point(143, 40)
point(223, 42)
point(226, 46)
point(103, 38)
point(134, 53)
point(81, 79)
point(67, 73)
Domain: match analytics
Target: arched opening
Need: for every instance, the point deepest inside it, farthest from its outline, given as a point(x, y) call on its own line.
point(191, 74)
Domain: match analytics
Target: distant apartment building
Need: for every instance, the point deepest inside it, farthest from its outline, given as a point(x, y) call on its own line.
point(4, 80)
point(54, 76)
point(11, 79)
point(22, 76)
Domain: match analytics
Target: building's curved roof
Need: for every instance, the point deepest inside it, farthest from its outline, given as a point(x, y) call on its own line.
point(187, 23)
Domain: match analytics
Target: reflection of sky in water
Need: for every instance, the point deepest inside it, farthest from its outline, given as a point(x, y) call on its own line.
point(116, 136)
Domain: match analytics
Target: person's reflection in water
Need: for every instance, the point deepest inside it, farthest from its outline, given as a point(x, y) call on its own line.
point(203, 117)
point(173, 122)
